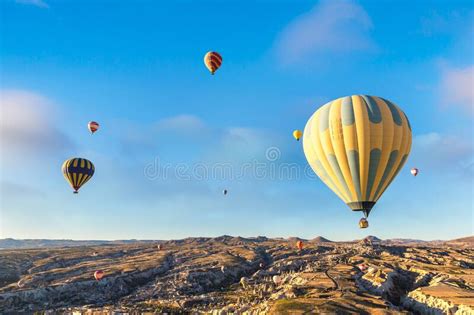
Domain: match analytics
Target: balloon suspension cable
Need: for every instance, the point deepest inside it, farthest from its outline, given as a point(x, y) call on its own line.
point(366, 213)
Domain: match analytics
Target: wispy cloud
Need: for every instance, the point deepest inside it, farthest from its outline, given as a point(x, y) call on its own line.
point(182, 124)
point(36, 3)
point(457, 87)
point(331, 26)
point(199, 139)
point(439, 153)
point(167, 134)
point(446, 23)
point(27, 125)
point(18, 190)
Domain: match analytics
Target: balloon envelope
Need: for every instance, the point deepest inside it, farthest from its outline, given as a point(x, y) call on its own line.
point(213, 61)
point(357, 145)
point(276, 279)
point(299, 245)
point(99, 274)
point(93, 126)
point(77, 172)
point(297, 134)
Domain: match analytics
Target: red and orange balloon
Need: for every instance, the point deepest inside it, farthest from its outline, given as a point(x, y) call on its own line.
point(299, 245)
point(99, 274)
point(93, 126)
point(213, 61)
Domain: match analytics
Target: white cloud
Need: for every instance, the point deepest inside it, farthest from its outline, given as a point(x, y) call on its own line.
point(190, 134)
point(440, 152)
point(457, 87)
point(166, 134)
point(36, 3)
point(18, 190)
point(182, 124)
point(27, 125)
point(331, 26)
point(451, 23)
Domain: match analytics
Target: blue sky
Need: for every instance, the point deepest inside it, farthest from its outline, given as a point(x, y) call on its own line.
point(137, 68)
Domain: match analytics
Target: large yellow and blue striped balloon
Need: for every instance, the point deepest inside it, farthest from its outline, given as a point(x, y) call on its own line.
point(357, 145)
point(77, 172)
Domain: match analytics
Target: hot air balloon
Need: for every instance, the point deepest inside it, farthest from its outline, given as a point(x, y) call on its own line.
point(159, 246)
point(77, 172)
point(224, 192)
point(363, 223)
point(223, 269)
point(99, 274)
point(93, 126)
point(213, 61)
point(297, 134)
point(362, 267)
point(299, 245)
point(414, 171)
point(276, 279)
point(357, 145)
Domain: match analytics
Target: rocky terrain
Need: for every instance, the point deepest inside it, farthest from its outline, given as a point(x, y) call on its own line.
point(234, 275)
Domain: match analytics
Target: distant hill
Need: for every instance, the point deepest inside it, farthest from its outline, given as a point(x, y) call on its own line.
point(403, 242)
point(469, 239)
point(372, 239)
point(320, 239)
point(462, 242)
point(295, 239)
point(10, 243)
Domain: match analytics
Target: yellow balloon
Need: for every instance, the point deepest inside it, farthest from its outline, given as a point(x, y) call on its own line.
point(357, 145)
point(297, 134)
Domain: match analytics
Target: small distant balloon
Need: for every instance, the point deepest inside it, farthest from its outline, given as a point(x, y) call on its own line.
point(224, 192)
point(213, 61)
point(93, 126)
point(159, 246)
point(299, 245)
point(223, 269)
point(414, 171)
point(362, 267)
point(297, 134)
point(77, 172)
point(99, 274)
point(276, 280)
